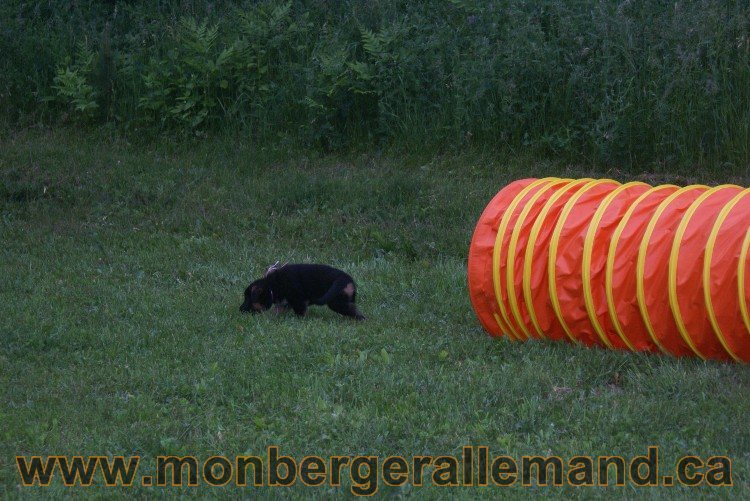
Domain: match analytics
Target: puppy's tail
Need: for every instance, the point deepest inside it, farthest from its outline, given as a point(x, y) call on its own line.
point(344, 285)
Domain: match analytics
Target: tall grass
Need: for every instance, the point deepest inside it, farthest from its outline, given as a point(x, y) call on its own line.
point(623, 83)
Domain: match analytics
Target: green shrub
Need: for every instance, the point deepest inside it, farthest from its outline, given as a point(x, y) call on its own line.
point(72, 88)
point(185, 88)
point(623, 83)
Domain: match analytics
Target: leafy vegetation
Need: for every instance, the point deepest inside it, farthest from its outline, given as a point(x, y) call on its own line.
point(622, 83)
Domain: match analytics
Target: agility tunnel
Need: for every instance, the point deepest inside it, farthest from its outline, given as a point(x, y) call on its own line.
point(628, 266)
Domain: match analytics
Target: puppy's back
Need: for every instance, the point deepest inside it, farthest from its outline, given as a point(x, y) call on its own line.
point(314, 279)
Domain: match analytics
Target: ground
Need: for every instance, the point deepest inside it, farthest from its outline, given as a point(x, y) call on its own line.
point(122, 272)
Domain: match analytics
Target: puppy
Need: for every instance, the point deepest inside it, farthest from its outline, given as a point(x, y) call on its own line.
point(300, 285)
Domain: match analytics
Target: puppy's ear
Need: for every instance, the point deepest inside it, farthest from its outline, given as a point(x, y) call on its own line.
point(256, 289)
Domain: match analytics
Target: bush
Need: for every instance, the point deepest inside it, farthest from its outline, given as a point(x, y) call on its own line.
point(616, 82)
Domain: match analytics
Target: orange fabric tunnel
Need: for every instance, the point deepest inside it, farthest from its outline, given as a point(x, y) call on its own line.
point(626, 266)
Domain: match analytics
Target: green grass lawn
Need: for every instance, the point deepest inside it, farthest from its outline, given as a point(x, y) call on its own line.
point(121, 273)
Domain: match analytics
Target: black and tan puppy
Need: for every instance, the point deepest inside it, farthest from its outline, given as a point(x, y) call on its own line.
point(300, 285)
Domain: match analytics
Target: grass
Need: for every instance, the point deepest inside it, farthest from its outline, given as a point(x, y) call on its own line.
point(122, 271)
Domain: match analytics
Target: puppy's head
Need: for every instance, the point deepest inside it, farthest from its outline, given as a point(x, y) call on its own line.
point(257, 297)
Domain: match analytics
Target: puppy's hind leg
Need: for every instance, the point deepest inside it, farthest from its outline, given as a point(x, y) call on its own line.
point(346, 308)
point(357, 314)
point(341, 287)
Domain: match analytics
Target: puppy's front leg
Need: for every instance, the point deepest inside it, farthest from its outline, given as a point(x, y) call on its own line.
point(299, 307)
point(280, 308)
